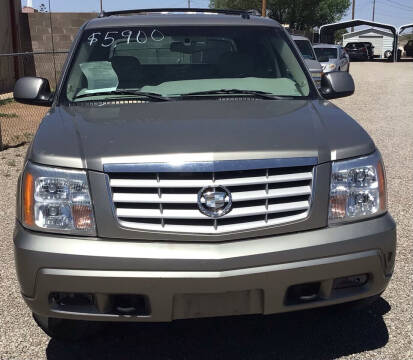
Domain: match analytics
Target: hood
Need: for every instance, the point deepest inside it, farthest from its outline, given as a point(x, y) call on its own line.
point(313, 65)
point(196, 130)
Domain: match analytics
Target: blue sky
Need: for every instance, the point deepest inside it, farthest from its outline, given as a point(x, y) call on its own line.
point(394, 12)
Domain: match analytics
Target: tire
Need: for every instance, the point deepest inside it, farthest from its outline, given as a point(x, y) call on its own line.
point(67, 330)
point(348, 67)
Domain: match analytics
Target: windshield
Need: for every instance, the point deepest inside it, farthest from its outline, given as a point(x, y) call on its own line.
point(305, 48)
point(174, 61)
point(331, 53)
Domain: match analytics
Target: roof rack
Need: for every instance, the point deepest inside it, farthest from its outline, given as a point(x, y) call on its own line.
point(243, 13)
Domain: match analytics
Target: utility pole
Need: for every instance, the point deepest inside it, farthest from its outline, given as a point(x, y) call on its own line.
point(101, 6)
point(189, 4)
point(352, 13)
point(374, 8)
point(264, 8)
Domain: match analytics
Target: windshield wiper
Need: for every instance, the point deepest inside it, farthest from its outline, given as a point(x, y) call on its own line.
point(149, 95)
point(257, 93)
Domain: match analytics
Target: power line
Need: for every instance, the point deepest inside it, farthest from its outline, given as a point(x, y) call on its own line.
point(406, 16)
point(400, 4)
point(393, 6)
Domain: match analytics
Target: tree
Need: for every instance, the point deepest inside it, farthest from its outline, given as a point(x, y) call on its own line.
point(338, 35)
point(298, 14)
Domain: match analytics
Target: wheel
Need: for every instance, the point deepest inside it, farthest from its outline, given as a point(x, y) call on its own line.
point(67, 330)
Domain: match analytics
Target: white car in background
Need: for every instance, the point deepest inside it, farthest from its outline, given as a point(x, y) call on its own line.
point(310, 58)
point(332, 57)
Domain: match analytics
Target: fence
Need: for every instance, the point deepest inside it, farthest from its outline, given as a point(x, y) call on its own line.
point(19, 122)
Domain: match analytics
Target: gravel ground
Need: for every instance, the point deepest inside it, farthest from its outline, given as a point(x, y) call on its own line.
point(19, 122)
point(381, 105)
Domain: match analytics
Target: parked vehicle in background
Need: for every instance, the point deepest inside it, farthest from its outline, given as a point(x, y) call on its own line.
point(332, 57)
point(370, 49)
point(357, 51)
point(310, 58)
point(388, 54)
point(408, 48)
point(189, 167)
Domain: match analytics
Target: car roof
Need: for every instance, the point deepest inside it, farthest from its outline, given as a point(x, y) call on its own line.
point(334, 46)
point(178, 19)
point(298, 37)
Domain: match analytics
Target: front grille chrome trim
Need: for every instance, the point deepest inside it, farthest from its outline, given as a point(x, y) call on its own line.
point(193, 198)
point(144, 183)
point(222, 229)
point(196, 214)
point(168, 202)
point(209, 166)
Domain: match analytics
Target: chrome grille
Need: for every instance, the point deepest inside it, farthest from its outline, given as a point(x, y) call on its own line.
point(167, 201)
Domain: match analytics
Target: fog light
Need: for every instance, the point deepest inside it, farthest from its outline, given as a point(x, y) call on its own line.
point(350, 281)
point(64, 299)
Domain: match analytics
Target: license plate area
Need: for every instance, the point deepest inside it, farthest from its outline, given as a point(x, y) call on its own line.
point(186, 306)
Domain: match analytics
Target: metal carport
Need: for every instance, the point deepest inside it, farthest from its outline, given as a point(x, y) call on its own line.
point(404, 27)
point(327, 31)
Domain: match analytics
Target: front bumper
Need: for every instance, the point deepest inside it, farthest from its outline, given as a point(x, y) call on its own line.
point(184, 280)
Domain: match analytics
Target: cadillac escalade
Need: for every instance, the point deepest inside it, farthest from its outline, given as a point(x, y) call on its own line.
point(188, 167)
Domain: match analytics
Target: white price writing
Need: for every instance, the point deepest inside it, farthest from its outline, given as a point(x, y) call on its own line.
point(109, 38)
point(93, 39)
point(105, 42)
point(141, 38)
point(127, 34)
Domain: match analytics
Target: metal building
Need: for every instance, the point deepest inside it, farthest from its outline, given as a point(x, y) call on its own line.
point(382, 40)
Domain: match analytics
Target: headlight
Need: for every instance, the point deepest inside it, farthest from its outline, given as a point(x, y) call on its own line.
point(331, 67)
point(57, 200)
point(358, 189)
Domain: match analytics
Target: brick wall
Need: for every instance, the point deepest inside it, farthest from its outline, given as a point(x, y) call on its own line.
point(38, 38)
point(64, 25)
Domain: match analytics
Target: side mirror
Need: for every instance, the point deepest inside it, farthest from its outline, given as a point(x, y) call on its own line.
point(337, 84)
point(323, 59)
point(33, 91)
